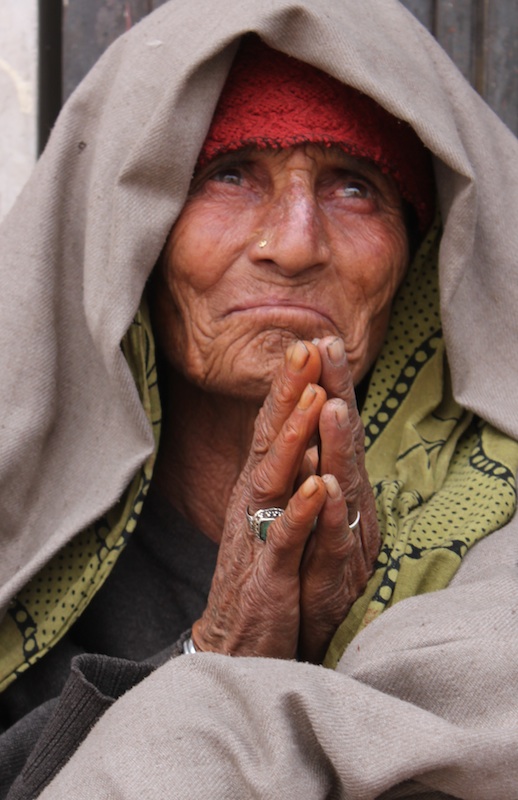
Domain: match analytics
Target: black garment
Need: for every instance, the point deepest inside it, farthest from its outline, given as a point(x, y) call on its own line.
point(156, 590)
point(94, 684)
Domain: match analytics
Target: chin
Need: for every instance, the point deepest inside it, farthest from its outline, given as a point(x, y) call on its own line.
point(244, 383)
point(248, 373)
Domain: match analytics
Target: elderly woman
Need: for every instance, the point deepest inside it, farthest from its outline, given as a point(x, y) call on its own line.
point(316, 250)
point(278, 194)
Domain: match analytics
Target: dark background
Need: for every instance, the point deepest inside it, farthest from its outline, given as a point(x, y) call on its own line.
point(481, 36)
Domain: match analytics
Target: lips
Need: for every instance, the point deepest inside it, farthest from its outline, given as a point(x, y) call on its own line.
point(285, 306)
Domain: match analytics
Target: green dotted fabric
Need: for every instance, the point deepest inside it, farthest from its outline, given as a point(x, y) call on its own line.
point(442, 478)
point(46, 608)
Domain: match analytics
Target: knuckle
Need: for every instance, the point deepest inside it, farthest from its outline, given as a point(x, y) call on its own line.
point(280, 396)
point(290, 432)
point(342, 545)
point(261, 441)
point(263, 485)
point(282, 390)
point(289, 524)
point(352, 487)
point(294, 521)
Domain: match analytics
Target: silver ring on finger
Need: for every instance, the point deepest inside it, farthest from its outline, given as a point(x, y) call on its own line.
point(261, 520)
point(353, 525)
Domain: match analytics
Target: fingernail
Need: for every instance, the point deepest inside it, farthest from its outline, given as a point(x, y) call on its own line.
point(297, 356)
point(332, 486)
point(341, 412)
point(309, 487)
point(307, 397)
point(336, 351)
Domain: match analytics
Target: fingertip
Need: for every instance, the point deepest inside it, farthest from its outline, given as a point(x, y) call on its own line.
point(341, 412)
point(335, 350)
point(310, 462)
point(335, 419)
point(302, 356)
point(315, 356)
point(332, 486)
point(310, 486)
point(324, 343)
point(297, 355)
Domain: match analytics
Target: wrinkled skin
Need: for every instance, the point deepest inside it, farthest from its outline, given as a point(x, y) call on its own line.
point(274, 250)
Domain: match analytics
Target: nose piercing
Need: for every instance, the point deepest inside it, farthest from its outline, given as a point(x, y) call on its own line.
point(263, 243)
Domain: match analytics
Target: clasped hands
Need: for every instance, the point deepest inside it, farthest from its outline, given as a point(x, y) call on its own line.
point(285, 597)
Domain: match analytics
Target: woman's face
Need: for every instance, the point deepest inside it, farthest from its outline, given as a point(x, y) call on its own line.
point(274, 246)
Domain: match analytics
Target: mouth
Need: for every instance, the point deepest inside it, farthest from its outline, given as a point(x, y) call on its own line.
point(285, 310)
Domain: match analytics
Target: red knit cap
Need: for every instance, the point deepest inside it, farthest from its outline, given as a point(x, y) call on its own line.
point(271, 100)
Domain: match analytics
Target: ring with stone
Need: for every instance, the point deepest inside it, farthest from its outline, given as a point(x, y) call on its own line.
point(261, 520)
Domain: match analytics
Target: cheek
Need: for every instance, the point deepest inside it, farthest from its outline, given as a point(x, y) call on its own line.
point(389, 264)
point(375, 263)
point(385, 258)
point(192, 290)
point(203, 245)
point(193, 266)
point(191, 263)
point(372, 264)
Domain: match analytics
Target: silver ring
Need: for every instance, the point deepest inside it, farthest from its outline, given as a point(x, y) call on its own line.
point(354, 524)
point(261, 520)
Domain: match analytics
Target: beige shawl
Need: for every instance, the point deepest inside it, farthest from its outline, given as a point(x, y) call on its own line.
point(423, 705)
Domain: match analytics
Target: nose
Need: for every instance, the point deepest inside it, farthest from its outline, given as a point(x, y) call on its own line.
point(292, 237)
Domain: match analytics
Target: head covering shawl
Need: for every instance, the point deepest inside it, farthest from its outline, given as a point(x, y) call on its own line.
point(80, 411)
point(272, 101)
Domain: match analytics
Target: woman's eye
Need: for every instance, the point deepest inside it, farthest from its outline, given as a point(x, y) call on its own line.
point(355, 189)
point(230, 175)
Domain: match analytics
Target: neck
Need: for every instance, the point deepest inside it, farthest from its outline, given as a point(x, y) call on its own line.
point(205, 442)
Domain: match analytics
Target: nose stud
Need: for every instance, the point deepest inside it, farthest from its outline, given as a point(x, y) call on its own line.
point(263, 243)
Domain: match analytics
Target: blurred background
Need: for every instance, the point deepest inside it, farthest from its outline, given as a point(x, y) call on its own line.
point(47, 46)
